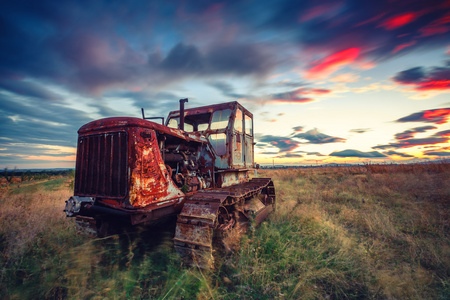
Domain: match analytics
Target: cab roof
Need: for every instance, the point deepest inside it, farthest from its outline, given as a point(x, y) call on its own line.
point(210, 109)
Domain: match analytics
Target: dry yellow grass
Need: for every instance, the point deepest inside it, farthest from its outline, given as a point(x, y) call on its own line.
point(28, 217)
point(374, 231)
point(392, 220)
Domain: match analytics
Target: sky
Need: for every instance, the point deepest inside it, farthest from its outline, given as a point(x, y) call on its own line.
point(327, 81)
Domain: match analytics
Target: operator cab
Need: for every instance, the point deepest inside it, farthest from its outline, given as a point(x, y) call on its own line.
point(228, 127)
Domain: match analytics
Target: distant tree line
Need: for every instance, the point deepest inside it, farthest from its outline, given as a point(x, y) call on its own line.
point(35, 175)
point(444, 161)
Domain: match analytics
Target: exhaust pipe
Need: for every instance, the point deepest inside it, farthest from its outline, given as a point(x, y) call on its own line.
point(182, 101)
point(105, 210)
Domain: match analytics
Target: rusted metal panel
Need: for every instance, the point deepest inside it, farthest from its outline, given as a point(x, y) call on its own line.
point(229, 178)
point(249, 162)
point(150, 180)
point(204, 211)
point(198, 235)
point(221, 162)
point(238, 150)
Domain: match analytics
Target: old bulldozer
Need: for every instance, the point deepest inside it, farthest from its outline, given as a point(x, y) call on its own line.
point(196, 166)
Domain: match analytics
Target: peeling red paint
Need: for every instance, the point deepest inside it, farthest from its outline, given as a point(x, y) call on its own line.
point(150, 181)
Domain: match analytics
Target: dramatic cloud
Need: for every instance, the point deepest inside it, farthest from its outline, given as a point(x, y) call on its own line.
point(288, 144)
point(437, 116)
point(315, 137)
point(31, 122)
point(437, 153)
point(63, 65)
point(29, 89)
point(403, 46)
point(436, 27)
point(399, 20)
point(406, 138)
point(290, 155)
point(315, 153)
point(437, 78)
point(97, 56)
point(324, 67)
point(356, 153)
point(413, 142)
point(408, 134)
point(298, 95)
point(86, 51)
point(444, 133)
point(238, 59)
point(375, 28)
point(282, 143)
point(399, 154)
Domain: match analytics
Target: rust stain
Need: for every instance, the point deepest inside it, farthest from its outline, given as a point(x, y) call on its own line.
point(150, 181)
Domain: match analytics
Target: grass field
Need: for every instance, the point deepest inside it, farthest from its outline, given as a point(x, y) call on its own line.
point(374, 231)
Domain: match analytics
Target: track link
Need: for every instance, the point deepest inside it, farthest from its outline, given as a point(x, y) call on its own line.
point(210, 213)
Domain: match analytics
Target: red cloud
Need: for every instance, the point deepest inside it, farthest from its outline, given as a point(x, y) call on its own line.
point(403, 46)
point(436, 27)
point(399, 20)
point(437, 116)
point(409, 134)
point(443, 20)
point(432, 30)
point(434, 85)
point(332, 63)
point(441, 115)
point(413, 143)
point(436, 78)
point(445, 133)
point(282, 143)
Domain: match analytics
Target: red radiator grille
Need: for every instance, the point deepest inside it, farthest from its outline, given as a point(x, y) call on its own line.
point(102, 165)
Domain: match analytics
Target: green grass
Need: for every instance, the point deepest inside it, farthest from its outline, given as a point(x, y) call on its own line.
point(34, 186)
point(295, 258)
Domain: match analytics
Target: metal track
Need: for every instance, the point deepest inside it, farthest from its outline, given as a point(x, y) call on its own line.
point(209, 211)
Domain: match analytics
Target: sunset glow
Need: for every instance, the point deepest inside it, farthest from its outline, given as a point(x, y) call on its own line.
point(326, 81)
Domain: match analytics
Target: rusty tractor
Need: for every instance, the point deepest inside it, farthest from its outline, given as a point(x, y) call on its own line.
point(196, 166)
